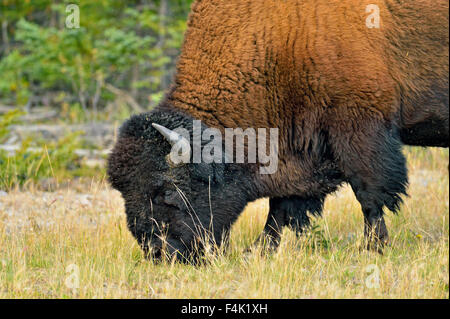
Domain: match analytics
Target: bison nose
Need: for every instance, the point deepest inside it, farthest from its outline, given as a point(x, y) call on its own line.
point(169, 249)
point(167, 252)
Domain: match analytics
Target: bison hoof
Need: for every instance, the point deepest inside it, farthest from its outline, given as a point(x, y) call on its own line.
point(377, 244)
point(265, 244)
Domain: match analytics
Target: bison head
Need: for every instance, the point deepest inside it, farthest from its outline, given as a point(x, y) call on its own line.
point(171, 209)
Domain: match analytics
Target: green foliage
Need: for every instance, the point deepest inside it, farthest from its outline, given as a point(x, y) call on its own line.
point(316, 237)
point(6, 120)
point(35, 160)
point(129, 45)
point(53, 160)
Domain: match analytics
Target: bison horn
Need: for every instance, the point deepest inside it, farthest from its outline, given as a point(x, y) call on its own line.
point(171, 136)
point(175, 139)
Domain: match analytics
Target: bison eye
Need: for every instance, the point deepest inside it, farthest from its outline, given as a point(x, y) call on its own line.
point(172, 198)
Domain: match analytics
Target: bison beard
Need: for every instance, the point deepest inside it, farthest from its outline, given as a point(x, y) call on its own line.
point(343, 96)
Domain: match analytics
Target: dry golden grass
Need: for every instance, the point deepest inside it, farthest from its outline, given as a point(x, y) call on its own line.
point(50, 242)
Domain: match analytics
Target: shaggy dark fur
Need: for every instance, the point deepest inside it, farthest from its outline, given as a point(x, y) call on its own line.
point(342, 95)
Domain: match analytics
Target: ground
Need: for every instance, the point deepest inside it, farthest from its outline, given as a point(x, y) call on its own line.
point(73, 243)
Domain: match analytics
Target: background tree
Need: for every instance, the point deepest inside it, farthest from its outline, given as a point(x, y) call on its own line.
point(123, 53)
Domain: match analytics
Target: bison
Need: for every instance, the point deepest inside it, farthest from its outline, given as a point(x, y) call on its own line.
point(345, 82)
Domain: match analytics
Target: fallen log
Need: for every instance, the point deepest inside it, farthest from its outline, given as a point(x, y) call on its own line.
point(100, 135)
point(89, 157)
point(37, 114)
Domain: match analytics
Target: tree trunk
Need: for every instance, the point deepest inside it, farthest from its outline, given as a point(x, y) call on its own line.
point(163, 14)
point(5, 38)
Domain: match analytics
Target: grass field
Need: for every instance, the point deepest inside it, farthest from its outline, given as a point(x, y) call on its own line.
point(73, 243)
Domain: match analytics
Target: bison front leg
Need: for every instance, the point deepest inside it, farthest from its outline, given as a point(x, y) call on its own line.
point(291, 212)
point(375, 232)
point(374, 165)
